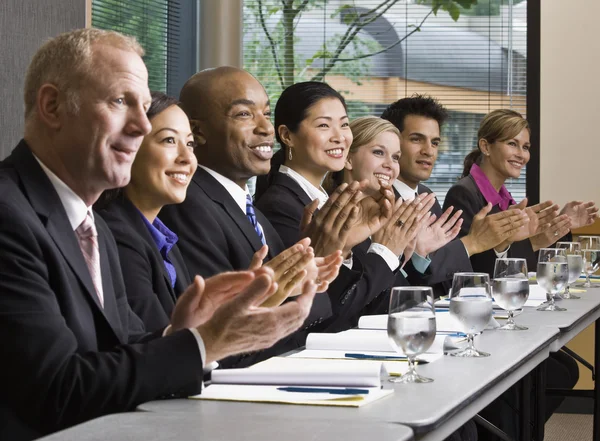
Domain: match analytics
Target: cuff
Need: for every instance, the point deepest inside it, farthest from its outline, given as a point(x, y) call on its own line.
point(201, 347)
point(349, 262)
point(420, 263)
point(503, 254)
point(386, 254)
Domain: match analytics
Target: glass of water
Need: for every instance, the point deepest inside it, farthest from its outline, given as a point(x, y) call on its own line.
point(471, 308)
point(575, 264)
point(589, 242)
point(552, 275)
point(591, 263)
point(510, 289)
point(411, 326)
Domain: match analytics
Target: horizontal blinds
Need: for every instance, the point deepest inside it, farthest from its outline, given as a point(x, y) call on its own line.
point(472, 65)
point(153, 22)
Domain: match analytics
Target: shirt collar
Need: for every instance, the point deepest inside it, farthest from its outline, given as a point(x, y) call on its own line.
point(502, 198)
point(406, 193)
point(162, 236)
point(74, 206)
point(237, 193)
point(312, 191)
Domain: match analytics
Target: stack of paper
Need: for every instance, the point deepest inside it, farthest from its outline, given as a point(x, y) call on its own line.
point(300, 381)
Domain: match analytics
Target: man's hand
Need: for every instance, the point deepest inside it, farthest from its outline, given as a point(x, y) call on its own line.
point(240, 325)
point(438, 233)
point(490, 230)
point(580, 213)
point(407, 220)
point(328, 268)
point(203, 297)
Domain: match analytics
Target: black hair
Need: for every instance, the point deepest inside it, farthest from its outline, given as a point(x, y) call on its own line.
point(421, 105)
point(291, 109)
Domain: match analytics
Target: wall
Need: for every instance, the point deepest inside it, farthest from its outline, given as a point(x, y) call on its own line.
point(24, 26)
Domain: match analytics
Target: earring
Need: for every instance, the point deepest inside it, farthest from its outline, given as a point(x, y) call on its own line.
point(289, 153)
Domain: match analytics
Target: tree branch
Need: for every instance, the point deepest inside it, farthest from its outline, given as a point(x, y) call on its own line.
point(354, 28)
point(396, 43)
point(302, 6)
point(271, 42)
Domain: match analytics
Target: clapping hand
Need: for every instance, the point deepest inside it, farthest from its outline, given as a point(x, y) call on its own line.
point(580, 213)
point(438, 233)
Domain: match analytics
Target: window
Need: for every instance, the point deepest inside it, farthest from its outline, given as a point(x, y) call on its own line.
point(165, 28)
point(472, 65)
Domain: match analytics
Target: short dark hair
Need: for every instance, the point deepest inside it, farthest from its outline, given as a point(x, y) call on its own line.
point(421, 105)
point(160, 102)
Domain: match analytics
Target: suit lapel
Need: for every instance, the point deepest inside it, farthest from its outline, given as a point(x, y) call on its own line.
point(45, 201)
point(221, 196)
point(289, 183)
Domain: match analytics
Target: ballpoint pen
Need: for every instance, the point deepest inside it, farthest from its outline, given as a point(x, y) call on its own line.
point(381, 357)
point(325, 390)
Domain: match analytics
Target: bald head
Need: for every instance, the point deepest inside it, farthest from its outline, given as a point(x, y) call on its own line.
point(230, 116)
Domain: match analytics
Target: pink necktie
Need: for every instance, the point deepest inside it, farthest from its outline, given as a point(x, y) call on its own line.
point(88, 242)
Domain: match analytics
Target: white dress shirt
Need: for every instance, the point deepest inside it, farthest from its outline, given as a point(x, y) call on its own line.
point(77, 212)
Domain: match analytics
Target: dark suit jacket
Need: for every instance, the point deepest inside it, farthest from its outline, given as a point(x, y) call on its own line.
point(147, 282)
point(446, 261)
point(283, 204)
point(216, 236)
point(466, 196)
point(65, 359)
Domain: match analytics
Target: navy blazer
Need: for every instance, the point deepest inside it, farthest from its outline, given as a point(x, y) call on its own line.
point(466, 196)
point(354, 290)
point(65, 358)
point(148, 284)
point(216, 236)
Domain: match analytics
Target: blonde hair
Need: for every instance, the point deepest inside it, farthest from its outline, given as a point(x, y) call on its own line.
point(364, 130)
point(66, 60)
point(498, 125)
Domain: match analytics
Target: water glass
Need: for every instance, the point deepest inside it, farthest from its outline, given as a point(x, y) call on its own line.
point(552, 275)
point(471, 307)
point(510, 289)
point(575, 264)
point(591, 263)
point(589, 242)
point(411, 326)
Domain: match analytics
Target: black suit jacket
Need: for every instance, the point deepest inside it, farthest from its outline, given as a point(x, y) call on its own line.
point(65, 359)
point(216, 236)
point(147, 282)
point(446, 261)
point(353, 290)
point(466, 196)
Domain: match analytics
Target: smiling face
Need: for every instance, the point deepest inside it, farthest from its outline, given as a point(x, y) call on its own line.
point(508, 157)
point(165, 162)
point(419, 143)
point(322, 140)
point(97, 145)
point(376, 161)
point(236, 135)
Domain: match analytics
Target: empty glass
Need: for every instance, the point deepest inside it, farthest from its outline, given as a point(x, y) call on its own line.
point(575, 264)
point(471, 307)
point(591, 263)
point(411, 326)
point(552, 275)
point(510, 289)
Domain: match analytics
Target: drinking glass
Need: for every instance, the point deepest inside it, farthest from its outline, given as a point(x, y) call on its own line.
point(471, 307)
point(552, 275)
point(575, 264)
point(591, 263)
point(411, 326)
point(510, 289)
point(589, 242)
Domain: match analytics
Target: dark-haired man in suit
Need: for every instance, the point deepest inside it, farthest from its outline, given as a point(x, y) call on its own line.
point(73, 349)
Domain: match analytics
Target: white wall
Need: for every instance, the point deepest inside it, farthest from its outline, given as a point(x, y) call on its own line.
point(570, 101)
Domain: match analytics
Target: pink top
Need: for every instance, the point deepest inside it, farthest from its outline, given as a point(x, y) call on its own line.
point(502, 198)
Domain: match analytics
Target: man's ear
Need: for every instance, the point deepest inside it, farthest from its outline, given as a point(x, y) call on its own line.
point(285, 135)
point(199, 137)
point(50, 105)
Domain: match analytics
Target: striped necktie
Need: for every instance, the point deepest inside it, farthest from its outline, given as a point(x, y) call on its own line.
point(252, 218)
point(88, 242)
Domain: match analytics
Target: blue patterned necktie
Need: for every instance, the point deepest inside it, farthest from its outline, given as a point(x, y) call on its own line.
point(252, 218)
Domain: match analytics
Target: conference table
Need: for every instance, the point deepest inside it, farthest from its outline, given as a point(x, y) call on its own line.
point(429, 412)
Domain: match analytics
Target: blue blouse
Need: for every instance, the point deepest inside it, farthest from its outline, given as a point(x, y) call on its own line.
point(164, 240)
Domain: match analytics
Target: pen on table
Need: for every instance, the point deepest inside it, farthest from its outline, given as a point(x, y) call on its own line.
point(451, 333)
point(325, 390)
point(381, 357)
